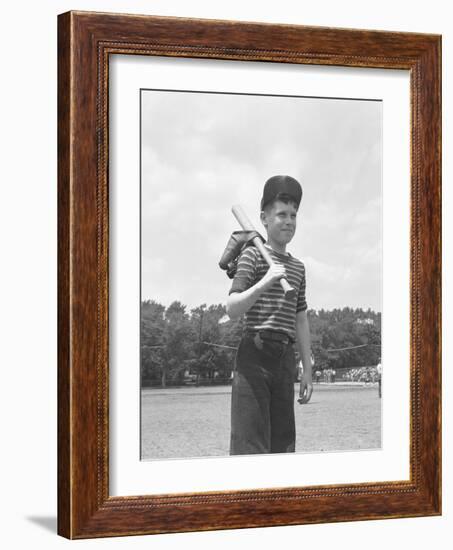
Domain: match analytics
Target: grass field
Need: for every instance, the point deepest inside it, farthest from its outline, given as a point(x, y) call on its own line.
point(195, 422)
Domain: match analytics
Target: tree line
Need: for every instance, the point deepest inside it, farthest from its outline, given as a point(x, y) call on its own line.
point(180, 345)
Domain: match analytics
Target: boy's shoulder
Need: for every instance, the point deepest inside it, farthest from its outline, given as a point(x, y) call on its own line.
point(298, 261)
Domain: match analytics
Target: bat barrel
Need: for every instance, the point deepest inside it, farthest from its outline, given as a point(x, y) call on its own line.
point(242, 218)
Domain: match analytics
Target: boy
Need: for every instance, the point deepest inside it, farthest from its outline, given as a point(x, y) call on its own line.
point(262, 403)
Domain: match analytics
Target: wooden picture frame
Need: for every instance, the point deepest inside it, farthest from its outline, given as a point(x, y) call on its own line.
point(85, 42)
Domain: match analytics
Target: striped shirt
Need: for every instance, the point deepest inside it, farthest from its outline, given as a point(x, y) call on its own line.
point(272, 310)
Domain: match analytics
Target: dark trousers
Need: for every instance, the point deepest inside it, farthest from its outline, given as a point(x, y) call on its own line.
point(262, 399)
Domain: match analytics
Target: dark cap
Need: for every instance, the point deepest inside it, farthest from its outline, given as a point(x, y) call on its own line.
point(281, 184)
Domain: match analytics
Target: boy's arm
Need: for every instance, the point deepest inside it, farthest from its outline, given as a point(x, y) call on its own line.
point(304, 348)
point(239, 303)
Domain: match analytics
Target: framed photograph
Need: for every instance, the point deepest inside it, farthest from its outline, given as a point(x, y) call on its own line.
point(277, 366)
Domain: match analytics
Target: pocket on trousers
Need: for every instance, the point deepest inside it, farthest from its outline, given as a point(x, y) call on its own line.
point(290, 360)
point(246, 354)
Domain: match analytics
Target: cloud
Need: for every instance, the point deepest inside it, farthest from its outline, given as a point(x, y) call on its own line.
point(329, 285)
point(329, 273)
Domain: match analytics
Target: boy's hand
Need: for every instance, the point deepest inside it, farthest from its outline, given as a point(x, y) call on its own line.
point(305, 390)
point(274, 273)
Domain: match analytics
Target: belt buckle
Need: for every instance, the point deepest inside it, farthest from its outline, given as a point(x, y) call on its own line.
point(258, 341)
point(285, 340)
point(264, 335)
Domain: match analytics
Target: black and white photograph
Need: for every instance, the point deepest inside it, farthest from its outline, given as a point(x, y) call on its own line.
point(261, 274)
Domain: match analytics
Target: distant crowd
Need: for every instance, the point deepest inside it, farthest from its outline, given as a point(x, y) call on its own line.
point(326, 375)
point(363, 374)
point(366, 375)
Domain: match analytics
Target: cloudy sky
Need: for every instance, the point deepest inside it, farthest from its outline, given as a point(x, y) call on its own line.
point(204, 152)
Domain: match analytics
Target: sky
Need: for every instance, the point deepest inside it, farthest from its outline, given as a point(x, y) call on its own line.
point(204, 152)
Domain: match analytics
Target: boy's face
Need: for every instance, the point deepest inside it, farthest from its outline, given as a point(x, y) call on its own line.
point(280, 222)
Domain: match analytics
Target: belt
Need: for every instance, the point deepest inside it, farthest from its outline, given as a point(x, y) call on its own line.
point(272, 335)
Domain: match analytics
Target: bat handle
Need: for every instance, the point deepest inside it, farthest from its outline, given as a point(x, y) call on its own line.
point(289, 291)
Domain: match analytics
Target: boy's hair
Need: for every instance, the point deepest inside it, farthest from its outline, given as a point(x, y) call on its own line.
point(282, 197)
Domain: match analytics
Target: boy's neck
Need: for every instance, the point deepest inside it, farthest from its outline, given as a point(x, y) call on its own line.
point(276, 247)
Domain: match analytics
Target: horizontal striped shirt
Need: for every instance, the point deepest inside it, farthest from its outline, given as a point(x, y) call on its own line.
point(272, 310)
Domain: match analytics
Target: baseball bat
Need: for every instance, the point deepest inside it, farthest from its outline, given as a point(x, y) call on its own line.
point(247, 225)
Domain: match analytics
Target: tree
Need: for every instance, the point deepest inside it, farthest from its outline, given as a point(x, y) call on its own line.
point(152, 338)
point(345, 328)
point(178, 342)
point(212, 359)
point(166, 341)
